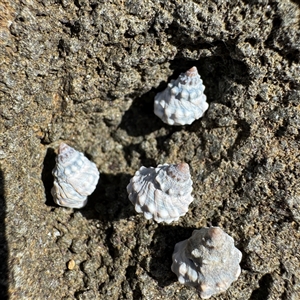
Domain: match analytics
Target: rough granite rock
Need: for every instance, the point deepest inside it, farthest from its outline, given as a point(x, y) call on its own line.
point(86, 72)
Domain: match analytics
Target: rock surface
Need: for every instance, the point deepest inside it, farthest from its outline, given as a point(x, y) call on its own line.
point(86, 72)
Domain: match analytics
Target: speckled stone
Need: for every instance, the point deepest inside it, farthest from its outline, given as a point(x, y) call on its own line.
point(87, 72)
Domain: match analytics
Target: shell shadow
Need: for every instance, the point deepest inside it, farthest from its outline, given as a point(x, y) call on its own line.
point(47, 177)
point(144, 160)
point(161, 249)
point(3, 243)
point(262, 292)
point(139, 119)
point(109, 202)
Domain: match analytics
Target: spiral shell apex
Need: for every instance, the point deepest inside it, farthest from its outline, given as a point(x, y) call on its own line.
point(183, 101)
point(75, 178)
point(207, 261)
point(162, 193)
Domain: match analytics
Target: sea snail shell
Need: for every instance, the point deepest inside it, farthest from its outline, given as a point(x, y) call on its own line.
point(207, 261)
point(162, 193)
point(183, 101)
point(75, 178)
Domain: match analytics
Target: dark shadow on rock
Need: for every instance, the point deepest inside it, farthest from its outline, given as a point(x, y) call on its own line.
point(289, 50)
point(252, 169)
point(296, 2)
point(3, 244)
point(132, 278)
point(139, 119)
point(161, 249)
point(47, 177)
point(244, 132)
point(181, 38)
point(262, 292)
point(109, 202)
point(145, 161)
point(218, 69)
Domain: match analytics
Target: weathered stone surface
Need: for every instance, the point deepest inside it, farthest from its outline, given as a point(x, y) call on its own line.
point(86, 72)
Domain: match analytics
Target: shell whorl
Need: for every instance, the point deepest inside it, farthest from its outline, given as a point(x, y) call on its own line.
point(65, 154)
point(208, 261)
point(162, 193)
point(190, 77)
point(75, 178)
point(183, 101)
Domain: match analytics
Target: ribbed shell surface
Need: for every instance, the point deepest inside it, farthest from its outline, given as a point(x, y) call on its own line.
point(183, 101)
point(208, 261)
point(75, 178)
point(162, 193)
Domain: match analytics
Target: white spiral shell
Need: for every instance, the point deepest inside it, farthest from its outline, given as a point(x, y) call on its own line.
point(183, 101)
point(75, 178)
point(162, 193)
point(207, 261)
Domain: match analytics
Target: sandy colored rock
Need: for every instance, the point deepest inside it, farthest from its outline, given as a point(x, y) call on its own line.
point(71, 264)
point(87, 72)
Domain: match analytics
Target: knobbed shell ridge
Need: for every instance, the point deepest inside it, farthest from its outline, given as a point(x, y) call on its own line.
point(183, 101)
point(207, 261)
point(162, 193)
point(75, 178)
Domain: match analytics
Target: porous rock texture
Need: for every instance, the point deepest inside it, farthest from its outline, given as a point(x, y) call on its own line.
point(86, 72)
